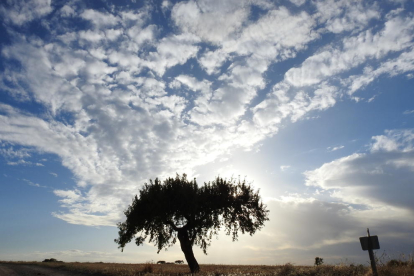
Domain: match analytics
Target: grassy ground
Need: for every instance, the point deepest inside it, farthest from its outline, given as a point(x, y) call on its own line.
point(113, 269)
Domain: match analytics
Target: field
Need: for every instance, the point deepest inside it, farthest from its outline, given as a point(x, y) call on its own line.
point(114, 269)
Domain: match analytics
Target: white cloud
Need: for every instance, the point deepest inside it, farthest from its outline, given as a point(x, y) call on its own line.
point(116, 117)
point(165, 5)
point(70, 197)
point(67, 11)
point(286, 102)
point(213, 21)
point(379, 177)
point(33, 184)
point(142, 35)
point(22, 12)
point(211, 61)
point(395, 36)
point(194, 84)
point(394, 140)
point(228, 103)
point(99, 19)
point(371, 99)
point(19, 162)
point(93, 36)
point(278, 34)
point(298, 2)
point(9, 152)
point(47, 87)
point(284, 168)
point(371, 189)
point(335, 148)
point(326, 223)
point(171, 51)
point(392, 67)
point(345, 15)
point(18, 157)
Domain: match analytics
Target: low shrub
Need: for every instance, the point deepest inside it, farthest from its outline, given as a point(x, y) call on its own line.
point(51, 260)
point(148, 268)
point(288, 269)
point(397, 263)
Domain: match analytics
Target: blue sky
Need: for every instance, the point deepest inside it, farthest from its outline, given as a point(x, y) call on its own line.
point(311, 101)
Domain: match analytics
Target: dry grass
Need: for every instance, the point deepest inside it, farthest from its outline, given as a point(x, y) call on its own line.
point(114, 269)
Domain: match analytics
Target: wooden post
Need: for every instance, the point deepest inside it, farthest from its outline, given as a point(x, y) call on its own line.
point(371, 256)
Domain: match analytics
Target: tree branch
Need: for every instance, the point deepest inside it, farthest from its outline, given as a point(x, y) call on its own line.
point(172, 225)
point(193, 236)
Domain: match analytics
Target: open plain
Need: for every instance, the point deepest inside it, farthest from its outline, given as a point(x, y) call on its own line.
point(116, 269)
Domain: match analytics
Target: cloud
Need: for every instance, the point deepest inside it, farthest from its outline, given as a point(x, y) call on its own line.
point(20, 13)
point(229, 102)
point(212, 21)
point(33, 184)
point(70, 196)
point(99, 19)
point(298, 2)
point(125, 99)
point(270, 38)
point(67, 11)
point(371, 99)
point(354, 51)
point(171, 51)
point(8, 151)
point(326, 223)
point(17, 157)
point(211, 61)
point(345, 15)
point(286, 102)
point(165, 5)
point(279, 34)
point(284, 168)
point(335, 148)
point(378, 178)
point(329, 224)
point(369, 189)
point(392, 67)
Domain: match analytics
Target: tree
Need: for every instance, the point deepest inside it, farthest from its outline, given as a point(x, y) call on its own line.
point(178, 208)
point(318, 261)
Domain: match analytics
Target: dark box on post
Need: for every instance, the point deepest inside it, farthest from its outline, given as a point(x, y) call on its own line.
point(368, 243)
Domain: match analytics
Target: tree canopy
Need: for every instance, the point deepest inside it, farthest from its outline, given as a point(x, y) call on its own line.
point(180, 209)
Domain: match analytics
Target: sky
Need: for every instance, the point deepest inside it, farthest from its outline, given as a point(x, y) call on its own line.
point(310, 101)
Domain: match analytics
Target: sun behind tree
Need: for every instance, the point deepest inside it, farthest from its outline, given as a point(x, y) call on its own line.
point(178, 208)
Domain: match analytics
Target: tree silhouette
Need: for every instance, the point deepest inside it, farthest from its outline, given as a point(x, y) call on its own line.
point(178, 208)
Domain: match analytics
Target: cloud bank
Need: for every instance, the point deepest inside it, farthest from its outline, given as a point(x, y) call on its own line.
point(122, 97)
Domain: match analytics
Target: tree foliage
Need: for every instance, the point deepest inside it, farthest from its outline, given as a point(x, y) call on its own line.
point(179, 208)
point(318, 261)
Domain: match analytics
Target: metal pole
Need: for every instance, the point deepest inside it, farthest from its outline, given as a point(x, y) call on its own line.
point(371, 256)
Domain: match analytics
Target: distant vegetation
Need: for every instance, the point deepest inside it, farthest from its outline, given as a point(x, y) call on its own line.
point(52, 260)
point(391, 268)
point(318, 261)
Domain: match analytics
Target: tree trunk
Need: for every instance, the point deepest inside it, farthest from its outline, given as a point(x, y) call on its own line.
point(187, 248)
